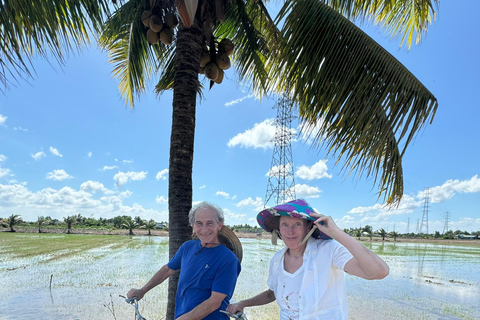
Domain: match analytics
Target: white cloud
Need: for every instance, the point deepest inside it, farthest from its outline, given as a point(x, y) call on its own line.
point(20, 129)
point(309, 132)
point(58, 175)
point(450, 188)
point(121, 178)
point(109, 167)
point(306, 191)
point(233, 218)
point(161, 200)
point(223, 194)
point(260, 136)
point(162, 174)
point(317, 171)
point(17, 199)
point(280, 170)
point(39, 155)
point(89, 154)
point(3, 158)
point(5, 172)
point(202, 187)
point(231, 103)
point(127, 161)
point(55, 152)
point(249, 202)
point(94, 187)
point(3, 119)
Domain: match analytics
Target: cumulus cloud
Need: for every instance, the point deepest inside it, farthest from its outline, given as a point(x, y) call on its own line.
point(58, 175)
point(162, 174)
point(223, 194)
point(89, 154)
point(55, 152)
point(309, 132)
point(3, 120)
point(121, 178)
point(317, 171)
point(233, 218)
point(3, 158)
point(249, 202)
point(94, 187)
point(4, 172)
point(260, 136)
point(161, 200)
point(234, 102)
point(306, 191)
point(39, 155)
point(280, 170)
point(450, 188)
point(17, 199)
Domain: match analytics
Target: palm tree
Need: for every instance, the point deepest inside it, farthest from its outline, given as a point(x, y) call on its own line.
point(394, 234)
point(130, 224)
point(13, 220)
point(372, 106)
point(149, 225)
point(70, 221)
point(41, 221)
point(382, 233)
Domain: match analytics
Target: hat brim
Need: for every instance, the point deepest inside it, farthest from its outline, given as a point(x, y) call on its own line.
point(230, 240)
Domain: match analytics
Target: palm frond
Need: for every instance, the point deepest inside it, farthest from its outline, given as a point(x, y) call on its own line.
point(408, 18)
point(250, 27)
point(371, 104)
point(134, 59)
point(49, 27)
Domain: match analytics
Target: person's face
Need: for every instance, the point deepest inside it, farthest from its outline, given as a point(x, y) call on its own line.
point(293, 230)
point(206, 226)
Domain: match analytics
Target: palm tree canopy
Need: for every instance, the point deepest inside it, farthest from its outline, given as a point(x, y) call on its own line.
point(47, 27)
point(370, 104)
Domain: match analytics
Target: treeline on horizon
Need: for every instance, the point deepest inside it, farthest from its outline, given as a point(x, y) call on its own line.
point(127, 222)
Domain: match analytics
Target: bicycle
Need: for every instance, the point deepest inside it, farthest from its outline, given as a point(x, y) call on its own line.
point(133, 301)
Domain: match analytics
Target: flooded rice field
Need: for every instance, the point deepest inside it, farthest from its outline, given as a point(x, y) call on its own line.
point(52, 276)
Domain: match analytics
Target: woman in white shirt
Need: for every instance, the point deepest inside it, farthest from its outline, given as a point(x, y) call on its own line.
point(306, 278)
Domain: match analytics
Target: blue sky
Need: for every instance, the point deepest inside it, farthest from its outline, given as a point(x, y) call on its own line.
point(70, 145)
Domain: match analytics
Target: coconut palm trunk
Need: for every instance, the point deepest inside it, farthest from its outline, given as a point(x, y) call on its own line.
point(187, 56)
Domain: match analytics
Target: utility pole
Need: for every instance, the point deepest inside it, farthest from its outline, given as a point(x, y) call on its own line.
point(281, 182)
point(446, 218)
point(425, 212)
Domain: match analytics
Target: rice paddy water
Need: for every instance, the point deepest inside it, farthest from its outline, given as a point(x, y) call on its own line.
point(52, 276)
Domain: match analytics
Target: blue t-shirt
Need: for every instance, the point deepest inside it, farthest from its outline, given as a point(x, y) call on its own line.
point(204, 270)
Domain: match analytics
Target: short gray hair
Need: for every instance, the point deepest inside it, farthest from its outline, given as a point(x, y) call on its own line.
point(205, 205)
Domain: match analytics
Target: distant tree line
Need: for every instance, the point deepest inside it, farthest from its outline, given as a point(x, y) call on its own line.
point(129, 223)
point(79, 221)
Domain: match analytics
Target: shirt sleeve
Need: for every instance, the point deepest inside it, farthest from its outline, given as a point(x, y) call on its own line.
point(226, 277)
point(176, 262)
point(341, 255)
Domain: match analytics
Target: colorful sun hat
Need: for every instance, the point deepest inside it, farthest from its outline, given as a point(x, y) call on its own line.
point(298, 208)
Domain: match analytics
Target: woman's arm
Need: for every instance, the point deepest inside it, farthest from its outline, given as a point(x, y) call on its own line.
point(265, 297)
point(365, 263)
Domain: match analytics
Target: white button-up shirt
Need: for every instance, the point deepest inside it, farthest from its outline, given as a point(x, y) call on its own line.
point(322, 293)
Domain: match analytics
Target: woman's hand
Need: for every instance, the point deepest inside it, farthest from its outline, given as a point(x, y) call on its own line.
point(235, 307)
point(325, 223)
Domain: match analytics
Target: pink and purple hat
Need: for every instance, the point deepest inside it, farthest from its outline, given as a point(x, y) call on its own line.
point(299, 208)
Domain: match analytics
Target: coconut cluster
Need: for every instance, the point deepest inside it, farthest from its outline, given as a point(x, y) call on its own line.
point(214, 68)
point(160, 27)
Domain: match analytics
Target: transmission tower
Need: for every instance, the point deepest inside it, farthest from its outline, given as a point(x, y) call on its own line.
point(446, 218)
point(425, 212)
point(281, 182)
point(418, 227)
point(408, 225)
